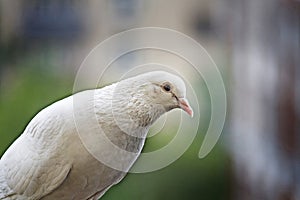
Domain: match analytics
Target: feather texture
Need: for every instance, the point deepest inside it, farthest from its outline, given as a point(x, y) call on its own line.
point(49, 160)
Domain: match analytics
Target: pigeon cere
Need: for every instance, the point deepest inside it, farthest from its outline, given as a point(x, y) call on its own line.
point(50, 161)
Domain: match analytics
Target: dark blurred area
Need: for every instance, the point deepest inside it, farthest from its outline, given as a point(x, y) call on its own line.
point(254, 43)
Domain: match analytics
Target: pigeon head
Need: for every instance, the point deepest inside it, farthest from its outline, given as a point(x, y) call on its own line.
point(161, 89)
point(166, 90)
point(144, 98)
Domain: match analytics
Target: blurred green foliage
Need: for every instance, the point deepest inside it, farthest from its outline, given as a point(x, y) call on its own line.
point(28, 89)
point(187, 178)
point(24, 92)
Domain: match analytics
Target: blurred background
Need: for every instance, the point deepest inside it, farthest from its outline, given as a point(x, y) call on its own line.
point(255, 45)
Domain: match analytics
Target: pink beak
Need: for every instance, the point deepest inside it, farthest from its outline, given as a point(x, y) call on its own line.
point(184, 105)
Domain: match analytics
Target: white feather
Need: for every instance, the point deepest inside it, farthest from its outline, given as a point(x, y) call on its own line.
point(49, 161)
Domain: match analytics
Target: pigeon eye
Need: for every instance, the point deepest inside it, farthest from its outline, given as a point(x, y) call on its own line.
point(167, 87)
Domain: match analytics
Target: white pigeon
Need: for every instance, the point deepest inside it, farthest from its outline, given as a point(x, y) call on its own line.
point(50, 161)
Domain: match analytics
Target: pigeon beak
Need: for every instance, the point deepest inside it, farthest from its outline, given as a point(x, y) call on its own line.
point(184, 105)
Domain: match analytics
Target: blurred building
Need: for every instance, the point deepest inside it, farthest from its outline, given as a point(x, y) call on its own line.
point(70, 29)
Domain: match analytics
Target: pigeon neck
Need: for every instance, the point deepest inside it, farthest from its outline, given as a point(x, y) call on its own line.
point(134, 104)
point(141, 111)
